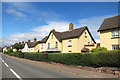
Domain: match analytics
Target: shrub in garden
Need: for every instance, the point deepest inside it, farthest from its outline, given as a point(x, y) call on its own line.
point(99, 49)
point(101, 58)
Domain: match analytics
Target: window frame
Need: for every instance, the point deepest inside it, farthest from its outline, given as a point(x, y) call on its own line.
point(52, 36)
point(41, 46)
point(56, 44)
point(69, 43)
point(115, 47)
point(114, 33)
point(48, 45)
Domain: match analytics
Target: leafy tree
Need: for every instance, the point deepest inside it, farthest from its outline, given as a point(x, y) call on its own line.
point(10, 50)
point(18, 46)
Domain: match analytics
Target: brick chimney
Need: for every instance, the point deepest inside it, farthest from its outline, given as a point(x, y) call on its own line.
point(35, 39)
point(19, 42)
point(53, 30)
point(28, 40)
point(70, 26)
point(22, 42)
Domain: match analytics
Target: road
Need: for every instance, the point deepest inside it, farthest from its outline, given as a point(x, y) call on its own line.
point(18, 68)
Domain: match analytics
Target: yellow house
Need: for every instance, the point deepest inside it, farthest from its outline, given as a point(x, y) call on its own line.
point(73, 40)
point(5, 49)
point(110, 33)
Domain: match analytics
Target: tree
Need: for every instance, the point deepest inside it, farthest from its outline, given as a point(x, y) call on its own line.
point(18, 46)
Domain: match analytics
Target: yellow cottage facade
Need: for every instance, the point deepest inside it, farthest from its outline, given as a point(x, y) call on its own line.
point(110, 33)
point(71, 41)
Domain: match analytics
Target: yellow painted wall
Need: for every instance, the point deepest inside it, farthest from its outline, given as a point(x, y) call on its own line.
point(77, 43)
point(4, 49)
point(52, 42)
point(44, 47)
point(37, 48)
point(106, 41)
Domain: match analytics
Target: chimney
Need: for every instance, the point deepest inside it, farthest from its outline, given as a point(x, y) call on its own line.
point(35, 39)
point(19, 42)
point(28, 40)
point(16, 43)
point(22, 42)
point(70, 26)
point(53, 30)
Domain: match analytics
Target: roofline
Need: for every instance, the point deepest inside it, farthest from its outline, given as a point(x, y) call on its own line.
point(108, 29)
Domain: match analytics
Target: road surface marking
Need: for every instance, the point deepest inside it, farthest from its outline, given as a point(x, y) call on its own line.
point(6, 64)
point(2, 60)
point(15, 74)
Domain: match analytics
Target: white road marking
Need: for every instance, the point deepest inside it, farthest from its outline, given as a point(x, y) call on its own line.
point(15, 74)
point(6, 64)
point(11, 70)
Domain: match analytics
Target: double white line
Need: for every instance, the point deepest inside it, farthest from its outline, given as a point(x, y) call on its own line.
point(11, 70)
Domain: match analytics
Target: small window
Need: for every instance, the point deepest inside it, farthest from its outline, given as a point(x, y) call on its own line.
point(88, 42)
point(69, 43)
point(48, 45)
point(85, 34)
point(115, 47)
point(52, 36)
point(42, 46)
point(69, 51)
point(56, 45)
point(115, 34)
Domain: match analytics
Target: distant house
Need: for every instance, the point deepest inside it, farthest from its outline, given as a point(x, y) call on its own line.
point(110, 33)
point(29, 46)
point(71, 41)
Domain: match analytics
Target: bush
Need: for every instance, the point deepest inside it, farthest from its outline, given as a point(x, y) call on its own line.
point(98, 59)
point(99, 49)
point(10, 50)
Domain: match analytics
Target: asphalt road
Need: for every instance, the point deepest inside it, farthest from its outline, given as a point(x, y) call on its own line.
point(27, 70)
point(18, 68)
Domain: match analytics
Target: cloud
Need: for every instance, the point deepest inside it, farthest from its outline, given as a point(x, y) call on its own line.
point(41, 31)
point(16, 13)
point(93, 23)
point(30, 9)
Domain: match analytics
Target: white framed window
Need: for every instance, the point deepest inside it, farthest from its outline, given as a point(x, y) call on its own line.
point(52, 36)
point(69, 51)
point(88, 42)
point(56, 44)
point(85, 34)
point(48, 45)
point(115, 47)
point(69, 43)
point(42, 46)
point(115, 33)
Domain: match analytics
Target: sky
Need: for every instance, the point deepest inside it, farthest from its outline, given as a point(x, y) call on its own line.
point(28, 20)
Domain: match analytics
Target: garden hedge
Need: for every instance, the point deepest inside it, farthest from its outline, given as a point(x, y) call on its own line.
point(102, 58)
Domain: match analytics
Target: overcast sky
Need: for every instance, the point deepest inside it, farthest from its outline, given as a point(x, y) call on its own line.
point(25, 20)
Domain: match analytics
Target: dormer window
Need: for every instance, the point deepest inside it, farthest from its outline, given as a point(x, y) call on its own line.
point(69, 43)
point(115, 34)
point(85, 34)
point(52, 36)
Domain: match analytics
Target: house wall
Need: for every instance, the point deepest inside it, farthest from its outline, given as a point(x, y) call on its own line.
point(4, 49)
point(31, 49)
point(26, 48)
point(37, 48)
point(52, 42)
point(77, 43)
point(44, 47)
point(106, 40)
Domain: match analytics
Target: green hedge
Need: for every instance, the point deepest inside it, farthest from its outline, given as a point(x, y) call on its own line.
point(102, 58)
